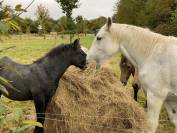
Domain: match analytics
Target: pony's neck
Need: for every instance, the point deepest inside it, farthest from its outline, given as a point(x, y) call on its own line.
point(135, 43)
point(55, 66)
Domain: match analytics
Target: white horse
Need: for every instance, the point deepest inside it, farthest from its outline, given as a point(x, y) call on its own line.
point(154, 57)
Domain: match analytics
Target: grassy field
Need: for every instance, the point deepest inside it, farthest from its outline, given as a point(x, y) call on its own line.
point(29, 48)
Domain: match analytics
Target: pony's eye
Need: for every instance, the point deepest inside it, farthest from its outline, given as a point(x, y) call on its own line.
point(129, 67)
point(99, 38)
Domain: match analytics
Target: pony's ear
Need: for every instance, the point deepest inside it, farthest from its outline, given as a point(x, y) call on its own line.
point(76, 44)
point(109, 23)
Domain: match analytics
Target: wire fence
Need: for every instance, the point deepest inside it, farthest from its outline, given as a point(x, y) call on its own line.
point(81, 121)
point(77, 120)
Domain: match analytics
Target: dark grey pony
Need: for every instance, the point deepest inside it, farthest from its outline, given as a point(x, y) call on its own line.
point(39, 81)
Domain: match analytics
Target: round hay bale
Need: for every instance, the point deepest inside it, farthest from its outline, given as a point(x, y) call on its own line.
point(93, 101)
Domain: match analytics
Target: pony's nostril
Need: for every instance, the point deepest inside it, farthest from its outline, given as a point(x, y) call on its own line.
point(124, 83)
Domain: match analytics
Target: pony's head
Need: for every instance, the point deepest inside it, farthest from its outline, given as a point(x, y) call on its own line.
point(126, 69)
point(104, 44)
point(78, 58)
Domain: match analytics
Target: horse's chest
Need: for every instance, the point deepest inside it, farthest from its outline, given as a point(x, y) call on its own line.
point(49, 92)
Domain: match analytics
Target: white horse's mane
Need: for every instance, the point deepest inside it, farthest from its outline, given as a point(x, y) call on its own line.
point(142, 39)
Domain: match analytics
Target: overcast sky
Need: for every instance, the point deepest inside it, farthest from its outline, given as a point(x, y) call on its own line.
point(88, 8)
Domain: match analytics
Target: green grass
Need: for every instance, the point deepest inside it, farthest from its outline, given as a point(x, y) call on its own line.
point(29, 48)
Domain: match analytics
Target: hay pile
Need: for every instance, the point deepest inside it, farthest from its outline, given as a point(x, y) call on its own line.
point(93, 101)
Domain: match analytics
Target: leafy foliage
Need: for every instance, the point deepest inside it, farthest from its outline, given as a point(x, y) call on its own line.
point(8, 23)
point(158, 15)
point(68, 6)
point(7, 18)
point(81, 24)
point(96, 23)
point(14, 121)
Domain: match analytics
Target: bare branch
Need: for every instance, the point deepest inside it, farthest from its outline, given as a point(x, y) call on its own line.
point(24, 9)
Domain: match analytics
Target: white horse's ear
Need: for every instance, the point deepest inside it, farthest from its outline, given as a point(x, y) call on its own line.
point(109, 23)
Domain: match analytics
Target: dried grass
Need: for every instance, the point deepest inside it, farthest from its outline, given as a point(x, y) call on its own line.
point(93, 101)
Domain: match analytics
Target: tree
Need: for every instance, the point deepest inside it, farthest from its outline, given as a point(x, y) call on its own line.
point(42, 14)
point(80, 24)
point(158, 15)
point(157, 12)
point(62, 24)
point(67, 7)
point(96, 24)
point(129, 11)
point(29, 26)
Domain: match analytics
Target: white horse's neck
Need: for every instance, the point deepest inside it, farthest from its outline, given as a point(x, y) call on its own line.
point(135, 43)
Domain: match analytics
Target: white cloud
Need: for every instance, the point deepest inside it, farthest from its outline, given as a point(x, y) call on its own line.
point(89, 8)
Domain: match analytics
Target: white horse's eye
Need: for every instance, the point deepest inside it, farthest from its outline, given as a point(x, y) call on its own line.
point(99, 38)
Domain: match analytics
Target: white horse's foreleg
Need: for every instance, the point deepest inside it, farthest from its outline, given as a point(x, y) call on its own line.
point(171, 107)
point(155, 84)
point(154, 104)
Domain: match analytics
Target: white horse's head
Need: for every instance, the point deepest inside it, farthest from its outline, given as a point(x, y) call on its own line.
point(104, 45)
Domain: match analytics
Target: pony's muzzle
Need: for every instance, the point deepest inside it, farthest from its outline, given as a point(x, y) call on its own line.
point(123, 82)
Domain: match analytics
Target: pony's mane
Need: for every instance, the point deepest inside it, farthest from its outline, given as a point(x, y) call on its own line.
point(55, 51)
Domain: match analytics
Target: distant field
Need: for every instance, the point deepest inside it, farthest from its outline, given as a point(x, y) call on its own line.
point(29, 48)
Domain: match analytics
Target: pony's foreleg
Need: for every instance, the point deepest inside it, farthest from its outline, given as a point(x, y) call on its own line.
point(39, 102)
point(136, 85)
point(154, 103)
point(135, 88)
point(145, 106)
point(0, 94)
